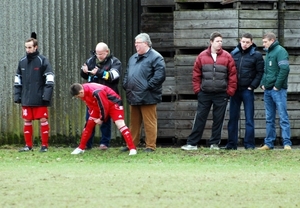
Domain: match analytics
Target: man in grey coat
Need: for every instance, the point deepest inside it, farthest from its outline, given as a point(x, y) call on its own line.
point(143, 85)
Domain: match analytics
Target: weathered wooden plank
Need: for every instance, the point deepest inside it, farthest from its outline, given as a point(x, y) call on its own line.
point(184, 89)
point(179, 115)
point(157, 22)
point(189, 105)
point(170, 72)
point(204, 34)
point(261, 124)
point(170, 68)
point(289, 5)
point(169, 86)
point(291, 33)
point(293, 87)
point(258, 41)
point(259, 133)
point(184, 60)
point(157, 3)
point(268, 24)
point(290, 15)
point(165, 133)
point(184, 73)
point(195, 1)
point(169, 62)
point(166, 124)
point(294, 70)
point(164, 27)
point(293, 79)
point(166, 106)
point(166, 115)
point(295, 133)
point(257, 32)
point(293, 24)
point(184, 133)
point(258, 15)
point(161, 41)
point(206, 24)
point(251, 1)
point(291, 42)
point(294, 59)
point(188, 124)
point(157, 17)
point(184, 79)
point(163, 45)
point(188, 70)
point(163, 36)
point(196, 43)
point(295, 126)
point(205, 15)
point(265, 5)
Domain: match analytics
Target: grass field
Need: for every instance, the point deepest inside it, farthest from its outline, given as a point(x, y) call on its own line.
point(167, 178)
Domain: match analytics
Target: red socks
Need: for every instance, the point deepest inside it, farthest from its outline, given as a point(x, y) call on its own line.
point(45, 133)
point(27, 129)
point(86, 133)
point(127, 137)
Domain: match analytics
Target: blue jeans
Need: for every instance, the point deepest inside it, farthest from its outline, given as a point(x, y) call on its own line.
point(276, 100)
point(105, 129)
point(247, 98)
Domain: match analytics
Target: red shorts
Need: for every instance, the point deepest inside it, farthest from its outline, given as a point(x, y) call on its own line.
point(34, 113)
point(116, 112)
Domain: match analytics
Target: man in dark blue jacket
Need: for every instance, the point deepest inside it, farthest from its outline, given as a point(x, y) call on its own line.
point(250, 68)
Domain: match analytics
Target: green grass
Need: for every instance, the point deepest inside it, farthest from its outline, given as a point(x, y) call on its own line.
point(168, 177)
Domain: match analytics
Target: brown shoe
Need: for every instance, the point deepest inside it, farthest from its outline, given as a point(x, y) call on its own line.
point(265, 147)
point(287, 147)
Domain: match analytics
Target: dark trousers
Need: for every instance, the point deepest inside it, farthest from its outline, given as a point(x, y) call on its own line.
point(247, 98)
point(205, 101)
point(105, 129)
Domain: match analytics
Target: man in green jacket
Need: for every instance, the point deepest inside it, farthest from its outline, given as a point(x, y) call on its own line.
point(274, 84)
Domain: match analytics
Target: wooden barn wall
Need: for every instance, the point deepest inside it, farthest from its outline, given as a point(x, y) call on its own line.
point(180, 30)
point(67, 31)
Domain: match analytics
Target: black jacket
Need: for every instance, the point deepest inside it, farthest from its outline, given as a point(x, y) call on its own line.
point(110, 64)
point(250, 67)
point(144, 77)
point(34, 81)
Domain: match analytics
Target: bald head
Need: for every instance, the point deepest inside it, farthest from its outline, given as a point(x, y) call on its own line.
point(102, 51)
point(101, 47)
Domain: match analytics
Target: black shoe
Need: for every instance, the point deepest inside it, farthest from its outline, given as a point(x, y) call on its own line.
point(25, 149)
point(124, 149)
point(148, 150)
point(44, 149)
point(228, 148)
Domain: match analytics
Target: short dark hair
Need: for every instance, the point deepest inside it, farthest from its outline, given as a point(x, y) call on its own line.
point(269, 36)
point(247, 35)
point(35, 42)
point(75, 89)
point(214, 35)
